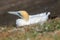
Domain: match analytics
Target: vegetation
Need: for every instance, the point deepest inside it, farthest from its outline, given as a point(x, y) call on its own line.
point(49, 31)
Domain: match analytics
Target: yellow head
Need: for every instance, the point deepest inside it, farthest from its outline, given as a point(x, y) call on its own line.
point(24, 14)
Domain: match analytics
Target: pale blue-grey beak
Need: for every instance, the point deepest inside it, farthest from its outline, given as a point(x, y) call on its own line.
point(15, 13)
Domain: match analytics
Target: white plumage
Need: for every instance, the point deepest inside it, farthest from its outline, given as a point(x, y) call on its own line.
point(29, 19)
point(33, 19)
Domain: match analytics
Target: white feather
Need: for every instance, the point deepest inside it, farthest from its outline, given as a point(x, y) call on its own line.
point(33, 19)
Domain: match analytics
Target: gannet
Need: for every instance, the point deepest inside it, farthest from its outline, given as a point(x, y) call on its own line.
point(27, 19)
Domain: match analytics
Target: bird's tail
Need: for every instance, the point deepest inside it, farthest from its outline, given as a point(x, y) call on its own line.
point(48, 13)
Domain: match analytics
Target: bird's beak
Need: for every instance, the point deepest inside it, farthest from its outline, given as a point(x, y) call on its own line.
point(14, 13)
point(23, 14)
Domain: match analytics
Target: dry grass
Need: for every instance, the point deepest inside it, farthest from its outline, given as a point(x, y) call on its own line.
point(49, 31)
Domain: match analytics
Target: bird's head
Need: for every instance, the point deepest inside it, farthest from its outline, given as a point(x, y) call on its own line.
point(23, 14)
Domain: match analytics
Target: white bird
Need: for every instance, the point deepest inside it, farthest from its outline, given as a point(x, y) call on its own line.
point(30, 19)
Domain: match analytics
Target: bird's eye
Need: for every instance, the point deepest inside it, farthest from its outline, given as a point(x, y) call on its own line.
point(19, 14)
